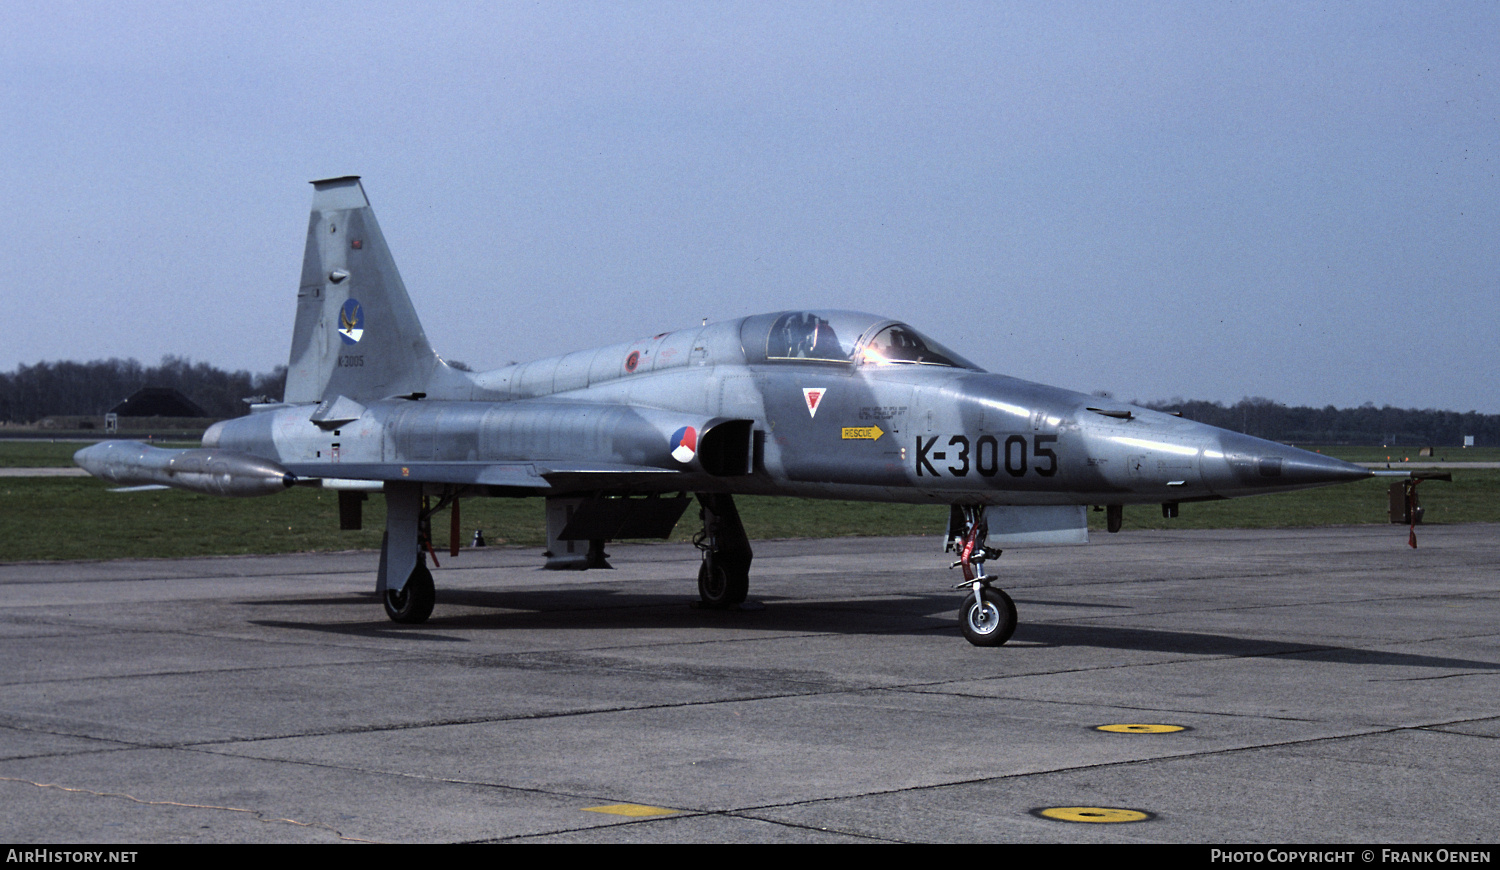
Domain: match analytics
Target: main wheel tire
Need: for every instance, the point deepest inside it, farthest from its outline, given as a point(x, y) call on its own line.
point(413, 604)
point(722, 586)
point(989, 622)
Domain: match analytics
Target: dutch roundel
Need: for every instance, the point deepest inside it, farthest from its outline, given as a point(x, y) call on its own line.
point(685, 444)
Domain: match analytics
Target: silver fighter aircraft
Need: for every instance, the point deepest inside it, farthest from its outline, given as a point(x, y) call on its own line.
point(822, 404)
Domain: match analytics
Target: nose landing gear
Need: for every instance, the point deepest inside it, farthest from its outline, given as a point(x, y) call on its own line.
point(988, 616)
point(724, 577)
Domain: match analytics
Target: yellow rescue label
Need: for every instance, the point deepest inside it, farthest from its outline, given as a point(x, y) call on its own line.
point(1100, 815)
point(862, 433)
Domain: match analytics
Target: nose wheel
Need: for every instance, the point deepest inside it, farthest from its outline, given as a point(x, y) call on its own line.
point(988, 617)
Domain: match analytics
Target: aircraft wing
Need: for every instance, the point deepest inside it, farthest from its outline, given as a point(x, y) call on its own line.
point(553, 447)
point(540, 476)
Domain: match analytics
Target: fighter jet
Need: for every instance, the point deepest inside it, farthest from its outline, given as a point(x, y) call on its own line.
point(619, 439)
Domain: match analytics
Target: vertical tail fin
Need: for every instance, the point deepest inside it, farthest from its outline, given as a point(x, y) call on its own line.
point(356, 334)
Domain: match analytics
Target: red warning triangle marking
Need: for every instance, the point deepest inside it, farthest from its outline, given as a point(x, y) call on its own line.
point(813, 397)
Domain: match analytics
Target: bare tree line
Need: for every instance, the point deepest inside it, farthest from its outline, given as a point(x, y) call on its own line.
point(48, 389)
point(1365, 425)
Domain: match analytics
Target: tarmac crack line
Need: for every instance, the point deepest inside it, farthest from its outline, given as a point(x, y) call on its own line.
point(678, 812)
point(259, 815)
point(1170, 710)
point(1439, 677)
point(692, 814)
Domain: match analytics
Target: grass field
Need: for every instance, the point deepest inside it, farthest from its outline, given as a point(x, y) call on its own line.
point(79, 518)
point(1472, 497)
point(1395, 455)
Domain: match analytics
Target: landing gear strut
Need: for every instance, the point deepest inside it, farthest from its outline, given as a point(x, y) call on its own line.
point(988, 616)
point(724, 576)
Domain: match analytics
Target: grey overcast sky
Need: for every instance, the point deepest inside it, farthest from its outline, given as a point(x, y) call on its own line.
point(1202, 199)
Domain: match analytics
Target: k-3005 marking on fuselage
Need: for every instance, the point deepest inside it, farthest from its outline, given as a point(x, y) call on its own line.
point(990, 455)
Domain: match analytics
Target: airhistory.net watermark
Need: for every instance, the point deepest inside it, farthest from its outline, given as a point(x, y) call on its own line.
point(58, 856)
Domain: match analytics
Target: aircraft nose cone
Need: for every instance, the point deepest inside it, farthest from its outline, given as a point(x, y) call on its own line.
point(1254, 464)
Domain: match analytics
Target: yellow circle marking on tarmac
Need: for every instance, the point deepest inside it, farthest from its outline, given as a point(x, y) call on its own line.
point(1093, 814)
point(1140, 729)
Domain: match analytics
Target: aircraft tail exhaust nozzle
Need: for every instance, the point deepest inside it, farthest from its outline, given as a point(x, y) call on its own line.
point(1251, 465)
point(208, 471)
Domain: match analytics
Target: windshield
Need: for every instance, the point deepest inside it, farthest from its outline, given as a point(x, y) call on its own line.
point(899, 343)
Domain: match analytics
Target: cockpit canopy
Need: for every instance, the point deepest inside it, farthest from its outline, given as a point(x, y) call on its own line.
point(847, 337)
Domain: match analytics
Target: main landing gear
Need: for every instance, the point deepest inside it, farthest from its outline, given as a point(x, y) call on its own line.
point(724, 576)
point(988, 616)
point(404, 550)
